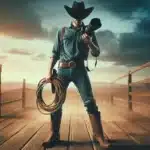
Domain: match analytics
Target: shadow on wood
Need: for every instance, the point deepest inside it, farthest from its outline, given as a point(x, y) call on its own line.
point(9, 116)
point(63, 143)
point(130, 147)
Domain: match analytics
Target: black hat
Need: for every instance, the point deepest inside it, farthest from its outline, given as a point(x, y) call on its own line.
point(78, 10)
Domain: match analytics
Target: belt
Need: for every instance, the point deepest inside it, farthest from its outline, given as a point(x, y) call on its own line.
point(70, 64)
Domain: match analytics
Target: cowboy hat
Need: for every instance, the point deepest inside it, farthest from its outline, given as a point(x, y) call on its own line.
point(78, 10)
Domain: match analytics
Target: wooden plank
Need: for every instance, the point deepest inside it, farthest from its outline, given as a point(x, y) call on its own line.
point(6, 122)
point(11, 130)
point(79, 135)
point(141, 67)
point(1, 119)
point(21, 138)
point(43, 134)
point(116, 135)
point(136, 132)
point(145, 138)
point(16, 126)
point(35, 143)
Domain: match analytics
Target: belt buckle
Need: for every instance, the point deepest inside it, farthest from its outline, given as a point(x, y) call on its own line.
point(72, 64)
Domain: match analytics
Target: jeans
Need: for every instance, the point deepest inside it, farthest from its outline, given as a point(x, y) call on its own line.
point(80, 78)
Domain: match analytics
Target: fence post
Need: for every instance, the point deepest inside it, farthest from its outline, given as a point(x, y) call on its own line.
point(0, 90)
point(111, 98)
point(129, 91)
point(111, 94)
point(23, 93)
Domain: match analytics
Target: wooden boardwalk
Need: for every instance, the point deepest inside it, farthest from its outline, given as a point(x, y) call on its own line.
point(29, 129)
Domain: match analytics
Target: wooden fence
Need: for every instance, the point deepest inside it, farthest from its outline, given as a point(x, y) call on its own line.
point(15, 97)
point(129, 86)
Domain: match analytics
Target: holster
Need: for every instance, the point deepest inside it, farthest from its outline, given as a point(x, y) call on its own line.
point(54, 74)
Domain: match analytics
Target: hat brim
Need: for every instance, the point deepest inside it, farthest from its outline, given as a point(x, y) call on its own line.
point(78, 14)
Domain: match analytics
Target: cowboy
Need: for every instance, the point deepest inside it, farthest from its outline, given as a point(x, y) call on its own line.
point(71, 51)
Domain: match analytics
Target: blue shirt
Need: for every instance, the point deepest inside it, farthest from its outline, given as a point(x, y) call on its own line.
point(71, 46)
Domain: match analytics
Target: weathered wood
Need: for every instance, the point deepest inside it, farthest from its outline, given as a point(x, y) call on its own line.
point(0, 88)
point(129, 91)
point(136, 132)
point(23, 136)
point(116, 135)
point(1, 119)
point(6, 123)
point(11, 130)
point(35, 143)
point(141, 67)
point(23, 94)
point(79, 135)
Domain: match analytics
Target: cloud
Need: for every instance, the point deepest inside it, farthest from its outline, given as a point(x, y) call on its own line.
point(129, 49)
point(19, 52)
point(18, 18)
point(143, 26)
point(40, 57)
point(52, 33)
point(123, 8)
point(3, 57)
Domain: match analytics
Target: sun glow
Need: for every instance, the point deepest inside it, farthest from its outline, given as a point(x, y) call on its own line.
point(7, 43)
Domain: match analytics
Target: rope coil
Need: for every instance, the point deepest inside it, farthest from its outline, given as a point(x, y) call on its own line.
point(60, 95)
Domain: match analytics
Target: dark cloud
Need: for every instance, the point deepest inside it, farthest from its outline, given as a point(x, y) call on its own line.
point(19, 52)
point(130, 49)
point(52, 33)
point(123, 8)
point(19, 19)
point(39, 57)
point(143, 26)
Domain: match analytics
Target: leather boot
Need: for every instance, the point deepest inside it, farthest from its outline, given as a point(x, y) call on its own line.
point(97, 128)
point(55, 128)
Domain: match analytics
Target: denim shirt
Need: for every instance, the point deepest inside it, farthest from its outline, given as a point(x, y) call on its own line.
point(71, 46)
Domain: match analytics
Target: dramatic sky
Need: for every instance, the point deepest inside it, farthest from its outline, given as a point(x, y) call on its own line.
point(28, 29)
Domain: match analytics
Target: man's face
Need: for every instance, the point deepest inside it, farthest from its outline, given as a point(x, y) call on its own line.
point(78, 22)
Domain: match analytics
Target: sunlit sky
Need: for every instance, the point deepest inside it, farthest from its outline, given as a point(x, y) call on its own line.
point(29, 57)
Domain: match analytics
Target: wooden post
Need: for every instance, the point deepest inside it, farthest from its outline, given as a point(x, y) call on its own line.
point(111, 94)
point(111, 98)
point(23, 93)
point(0, 90)
point(129, 91)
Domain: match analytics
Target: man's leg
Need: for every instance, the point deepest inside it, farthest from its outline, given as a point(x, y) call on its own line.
point(56, 117)
point(83, 85)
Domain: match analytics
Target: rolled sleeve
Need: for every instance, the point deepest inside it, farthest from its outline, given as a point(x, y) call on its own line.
point(56, 47)
point(95, 50)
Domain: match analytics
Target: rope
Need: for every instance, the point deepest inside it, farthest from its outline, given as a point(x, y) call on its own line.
point(59, 96)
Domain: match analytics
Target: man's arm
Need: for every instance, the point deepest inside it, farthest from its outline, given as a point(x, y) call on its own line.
point(55, 54)
point(93, 45)
point(51, 66)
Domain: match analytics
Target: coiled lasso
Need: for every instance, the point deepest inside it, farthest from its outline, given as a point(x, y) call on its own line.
point(60, 95)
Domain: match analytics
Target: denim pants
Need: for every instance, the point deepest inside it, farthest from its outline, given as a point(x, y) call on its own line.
point(80, 78)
